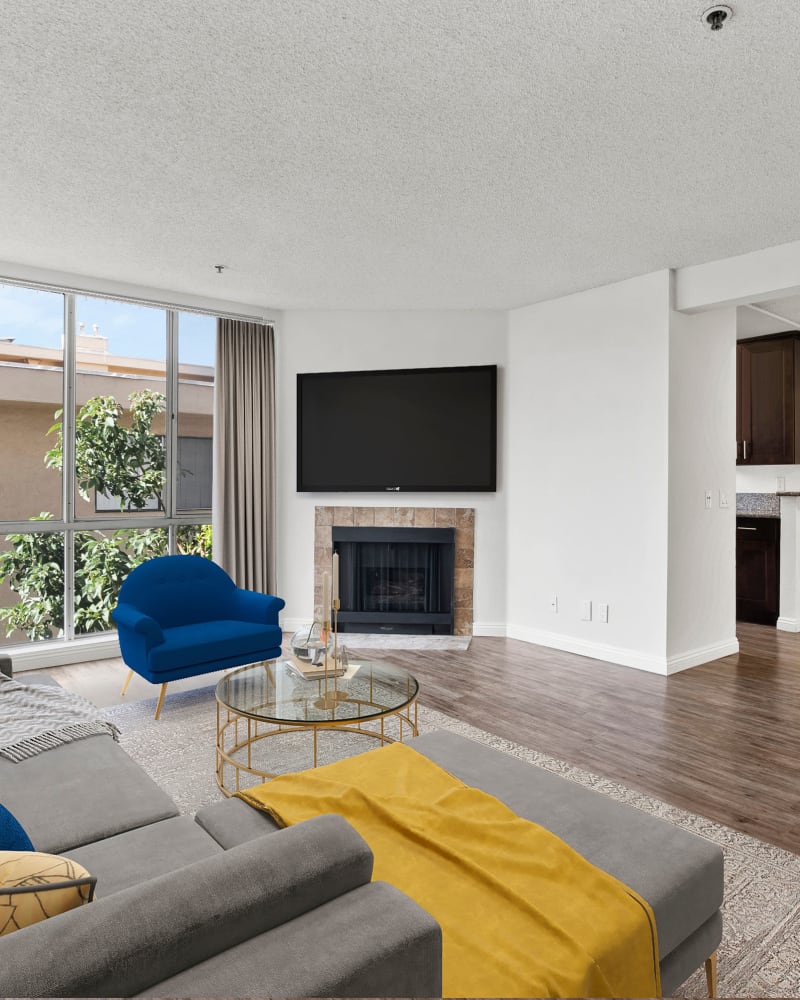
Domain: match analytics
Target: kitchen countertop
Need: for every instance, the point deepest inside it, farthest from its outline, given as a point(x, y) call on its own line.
point(759, 504)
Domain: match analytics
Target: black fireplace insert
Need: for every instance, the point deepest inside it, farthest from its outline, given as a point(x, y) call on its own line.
point(396, 579)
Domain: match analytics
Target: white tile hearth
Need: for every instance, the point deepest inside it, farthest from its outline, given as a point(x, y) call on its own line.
point(359, 640)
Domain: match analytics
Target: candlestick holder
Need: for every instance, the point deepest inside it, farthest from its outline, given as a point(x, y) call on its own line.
point(332, 695)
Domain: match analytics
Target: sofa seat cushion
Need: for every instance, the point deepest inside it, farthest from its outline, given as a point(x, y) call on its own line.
point(81, 792)
point(133, 857)
point(679, 874)
point(216, 640)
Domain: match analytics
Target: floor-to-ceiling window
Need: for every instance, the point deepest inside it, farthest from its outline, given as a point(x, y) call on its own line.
point(106, 442)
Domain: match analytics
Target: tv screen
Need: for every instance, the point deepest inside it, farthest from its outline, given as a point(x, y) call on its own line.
point(421, 429)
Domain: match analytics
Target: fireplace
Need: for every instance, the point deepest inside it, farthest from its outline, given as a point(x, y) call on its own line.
point(396, 579)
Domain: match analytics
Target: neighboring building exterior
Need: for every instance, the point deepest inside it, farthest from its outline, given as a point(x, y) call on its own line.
point(31, 393)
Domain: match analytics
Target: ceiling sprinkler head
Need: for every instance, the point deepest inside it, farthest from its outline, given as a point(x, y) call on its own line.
point(717, 16)
point(219, 268)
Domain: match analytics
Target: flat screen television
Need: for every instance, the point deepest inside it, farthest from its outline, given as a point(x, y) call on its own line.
point(415, 429)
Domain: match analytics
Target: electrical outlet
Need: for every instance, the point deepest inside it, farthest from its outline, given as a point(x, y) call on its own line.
point(602, 613)
point(586, 611)
point(554, 605)
point(709, 500)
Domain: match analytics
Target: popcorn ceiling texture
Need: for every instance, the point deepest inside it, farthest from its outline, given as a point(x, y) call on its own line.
point(391, 153)
point(460, 518)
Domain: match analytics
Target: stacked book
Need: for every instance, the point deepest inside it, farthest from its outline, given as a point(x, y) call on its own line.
point(314, 671)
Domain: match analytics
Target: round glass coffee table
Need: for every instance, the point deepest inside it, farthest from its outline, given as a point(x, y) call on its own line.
point(272, 698)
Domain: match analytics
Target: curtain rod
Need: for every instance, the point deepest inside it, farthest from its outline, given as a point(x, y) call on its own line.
point(46, 286)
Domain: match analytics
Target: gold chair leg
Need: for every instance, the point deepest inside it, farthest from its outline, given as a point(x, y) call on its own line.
point(160, 700)
point(711, 974)
point(127, 682)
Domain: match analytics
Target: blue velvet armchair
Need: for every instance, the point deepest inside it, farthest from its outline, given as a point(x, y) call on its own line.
point(180, 616)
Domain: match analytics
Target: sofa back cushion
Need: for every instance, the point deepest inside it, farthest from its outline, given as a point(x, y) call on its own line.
point(179, 590)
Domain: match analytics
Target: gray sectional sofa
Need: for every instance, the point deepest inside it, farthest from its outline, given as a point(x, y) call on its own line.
point(224, 904)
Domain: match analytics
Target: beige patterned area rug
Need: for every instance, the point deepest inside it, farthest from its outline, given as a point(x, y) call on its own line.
point(760, 952)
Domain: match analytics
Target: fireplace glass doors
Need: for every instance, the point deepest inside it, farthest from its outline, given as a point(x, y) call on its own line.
point(396, 579)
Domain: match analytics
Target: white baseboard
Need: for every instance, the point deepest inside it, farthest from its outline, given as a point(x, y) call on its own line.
point(56, 653)
point(596, 650)
point(494, 631)
point(788, 624)
point(703, 654)
point(626, 657)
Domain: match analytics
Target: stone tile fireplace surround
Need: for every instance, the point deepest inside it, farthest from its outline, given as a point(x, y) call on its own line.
point(460, 518)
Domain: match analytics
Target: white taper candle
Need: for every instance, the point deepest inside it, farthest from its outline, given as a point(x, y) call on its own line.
point(336, 576)
point(326, 597)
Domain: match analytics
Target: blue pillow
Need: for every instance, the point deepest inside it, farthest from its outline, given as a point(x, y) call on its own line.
point(12, 836)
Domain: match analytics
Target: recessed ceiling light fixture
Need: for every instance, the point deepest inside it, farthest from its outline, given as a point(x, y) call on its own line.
point(717, 16)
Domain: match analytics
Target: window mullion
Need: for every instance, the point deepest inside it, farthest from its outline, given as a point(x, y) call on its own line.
point(68, 465)
point(171, 429)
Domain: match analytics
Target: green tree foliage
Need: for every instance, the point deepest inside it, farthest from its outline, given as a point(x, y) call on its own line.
point(116, 457)
point(124, 462)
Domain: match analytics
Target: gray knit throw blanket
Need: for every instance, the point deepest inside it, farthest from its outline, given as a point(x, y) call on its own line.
point(37, 717)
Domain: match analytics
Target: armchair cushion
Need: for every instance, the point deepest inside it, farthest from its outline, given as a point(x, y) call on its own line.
point(205, 642)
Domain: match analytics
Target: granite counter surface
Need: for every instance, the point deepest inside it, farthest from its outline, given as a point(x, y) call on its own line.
point(759, 504)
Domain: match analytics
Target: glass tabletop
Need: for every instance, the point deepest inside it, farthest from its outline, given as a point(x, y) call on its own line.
point(276, 691)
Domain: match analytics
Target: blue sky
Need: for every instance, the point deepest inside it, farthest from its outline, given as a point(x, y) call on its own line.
point(34, 317)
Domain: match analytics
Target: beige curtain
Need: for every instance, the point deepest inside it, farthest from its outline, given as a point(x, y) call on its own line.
point(244, 454)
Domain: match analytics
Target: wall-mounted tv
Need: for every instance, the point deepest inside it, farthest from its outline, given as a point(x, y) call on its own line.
point(420, 429)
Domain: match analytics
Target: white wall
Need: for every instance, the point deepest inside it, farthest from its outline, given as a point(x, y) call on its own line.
point(764, 478)
point(328, 340)
point(701, 622)
point(587, 470)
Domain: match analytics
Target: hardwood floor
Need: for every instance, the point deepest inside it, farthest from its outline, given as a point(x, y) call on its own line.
point(722, 739)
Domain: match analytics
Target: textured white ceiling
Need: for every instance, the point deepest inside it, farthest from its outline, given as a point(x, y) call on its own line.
point(394, 153)
point(752, 323)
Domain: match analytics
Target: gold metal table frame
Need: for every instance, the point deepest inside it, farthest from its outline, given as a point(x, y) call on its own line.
point(240, 728)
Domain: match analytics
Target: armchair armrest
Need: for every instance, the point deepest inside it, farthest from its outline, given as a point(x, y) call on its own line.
point(127, 942)
point(250, 606)
point(127, 616)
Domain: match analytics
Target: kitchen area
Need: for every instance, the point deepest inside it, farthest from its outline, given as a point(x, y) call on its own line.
point(768, 464)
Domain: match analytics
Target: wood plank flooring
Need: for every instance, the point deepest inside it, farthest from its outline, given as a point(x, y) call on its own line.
point(722, 739)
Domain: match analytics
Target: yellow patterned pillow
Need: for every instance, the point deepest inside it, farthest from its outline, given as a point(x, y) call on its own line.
point(35, 886)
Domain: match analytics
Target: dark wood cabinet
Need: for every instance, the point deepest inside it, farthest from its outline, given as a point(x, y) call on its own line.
point(768, 400)
point(757, 569)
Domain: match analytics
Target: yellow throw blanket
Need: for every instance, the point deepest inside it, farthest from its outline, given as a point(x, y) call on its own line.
point(522, 914)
